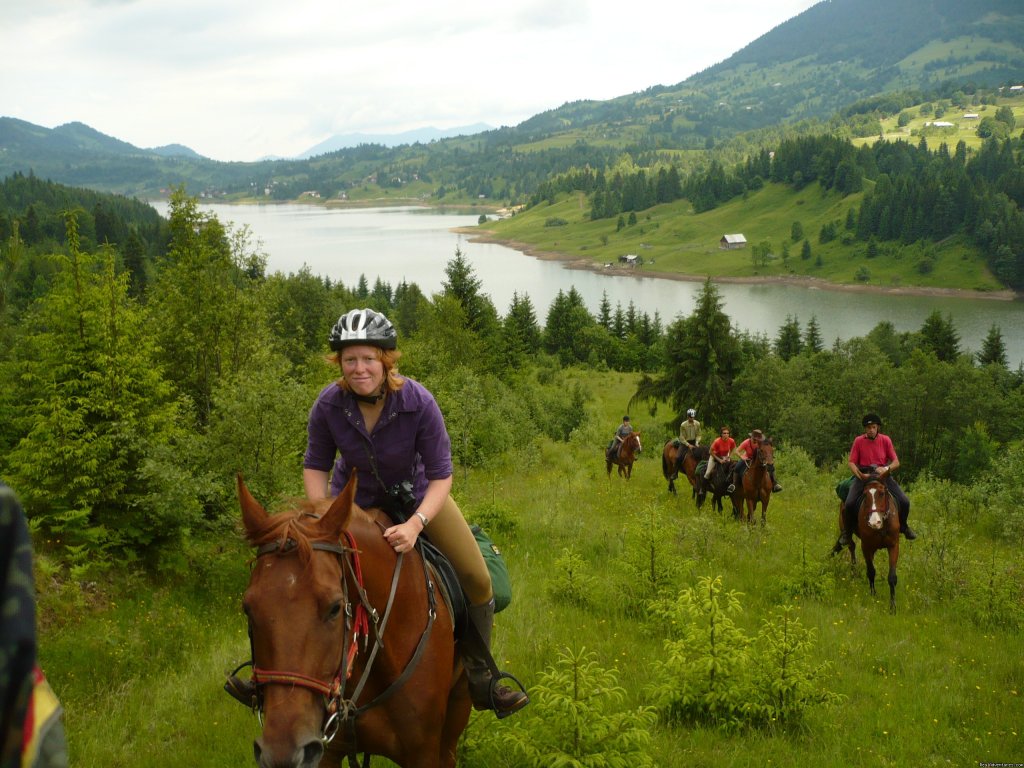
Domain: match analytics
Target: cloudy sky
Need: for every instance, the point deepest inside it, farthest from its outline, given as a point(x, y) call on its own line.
point(244, 79)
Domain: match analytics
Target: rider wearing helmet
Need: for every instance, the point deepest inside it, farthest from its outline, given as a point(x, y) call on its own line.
point(872, 457)
point(624, 430)
point(388, 430)
point(689, 429)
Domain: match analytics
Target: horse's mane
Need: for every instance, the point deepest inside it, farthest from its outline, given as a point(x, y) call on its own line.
point(298, 523)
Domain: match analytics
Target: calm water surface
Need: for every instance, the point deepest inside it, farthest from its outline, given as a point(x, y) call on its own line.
point(415, 244)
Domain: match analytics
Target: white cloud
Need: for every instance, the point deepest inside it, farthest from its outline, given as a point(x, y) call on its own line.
point(240, 79)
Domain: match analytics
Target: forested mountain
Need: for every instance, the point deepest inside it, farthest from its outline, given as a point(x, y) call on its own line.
point(808, 68)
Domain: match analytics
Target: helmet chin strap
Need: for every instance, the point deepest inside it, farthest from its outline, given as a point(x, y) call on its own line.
point(371, 399)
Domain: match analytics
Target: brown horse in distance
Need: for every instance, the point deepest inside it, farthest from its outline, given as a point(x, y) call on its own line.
point(351, 651)
point(625, 457)
point(878, 527)
point(757, 482)
point(676, 456)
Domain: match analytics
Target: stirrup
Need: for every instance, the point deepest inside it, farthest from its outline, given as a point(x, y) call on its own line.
point(514, 707)
point(242, 691)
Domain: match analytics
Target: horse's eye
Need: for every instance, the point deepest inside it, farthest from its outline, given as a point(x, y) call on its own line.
point(335, 611)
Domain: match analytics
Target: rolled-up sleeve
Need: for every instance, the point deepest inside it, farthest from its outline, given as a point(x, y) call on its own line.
point(320, 445)
point(433, 443)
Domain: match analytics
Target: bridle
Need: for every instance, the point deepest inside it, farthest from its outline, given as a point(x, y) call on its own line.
point(872, 490)
point(360, 616)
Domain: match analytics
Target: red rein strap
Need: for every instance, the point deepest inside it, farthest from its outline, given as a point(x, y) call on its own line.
point(361, 623)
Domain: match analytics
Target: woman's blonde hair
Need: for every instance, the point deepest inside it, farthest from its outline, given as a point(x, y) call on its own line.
point(389, 357)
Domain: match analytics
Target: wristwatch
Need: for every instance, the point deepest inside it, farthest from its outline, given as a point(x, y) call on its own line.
point(423, 519)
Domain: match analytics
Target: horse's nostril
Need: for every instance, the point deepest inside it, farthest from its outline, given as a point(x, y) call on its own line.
point(256, 751)
point(312, 753)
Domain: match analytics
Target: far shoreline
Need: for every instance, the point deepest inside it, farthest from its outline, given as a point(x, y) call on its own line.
point(800, 281)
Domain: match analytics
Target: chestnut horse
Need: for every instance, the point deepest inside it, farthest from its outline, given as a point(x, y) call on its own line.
point(677, 455)
point(626, 456)
point(352, 652)
point(878, 527)
point(757, 482)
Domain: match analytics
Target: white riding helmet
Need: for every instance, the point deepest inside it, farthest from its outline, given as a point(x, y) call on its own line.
point(363, 326)
point(691, 413)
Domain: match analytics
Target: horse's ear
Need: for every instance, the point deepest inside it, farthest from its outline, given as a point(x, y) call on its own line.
point(253, 515)
point(336, 518)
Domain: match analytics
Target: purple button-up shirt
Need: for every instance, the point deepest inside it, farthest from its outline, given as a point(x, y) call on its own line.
point(409, 441)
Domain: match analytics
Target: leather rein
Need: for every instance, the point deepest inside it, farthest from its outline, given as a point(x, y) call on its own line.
point(341, 709)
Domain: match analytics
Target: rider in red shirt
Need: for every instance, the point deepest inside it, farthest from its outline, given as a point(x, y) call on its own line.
point(872, 456)
point(746, 451)
point(722, 448)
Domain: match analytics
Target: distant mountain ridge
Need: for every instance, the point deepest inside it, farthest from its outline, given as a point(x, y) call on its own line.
point(809, 68)
point(419, 135)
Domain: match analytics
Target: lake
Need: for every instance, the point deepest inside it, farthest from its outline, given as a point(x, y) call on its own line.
point(415, 244)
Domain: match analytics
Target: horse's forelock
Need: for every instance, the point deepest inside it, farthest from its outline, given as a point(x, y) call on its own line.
point(298, 523)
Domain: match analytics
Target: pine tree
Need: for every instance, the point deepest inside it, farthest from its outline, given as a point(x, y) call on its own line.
point(939, 335)
point(521, 334)
point(812, 336)
point(702, 359)
point(788, 343)
point(99, 460)
point(993, 349)
point(205, 317)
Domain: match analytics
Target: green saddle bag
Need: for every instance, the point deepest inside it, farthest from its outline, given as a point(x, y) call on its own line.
point(501, 582)
point(843, 488)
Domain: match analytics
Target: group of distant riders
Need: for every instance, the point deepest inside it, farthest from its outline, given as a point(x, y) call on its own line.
point(872, 457)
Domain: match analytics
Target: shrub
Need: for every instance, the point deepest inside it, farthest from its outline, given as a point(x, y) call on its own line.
point(573, 582)
point(577, 720)
point(703, 680)
point(785, 678)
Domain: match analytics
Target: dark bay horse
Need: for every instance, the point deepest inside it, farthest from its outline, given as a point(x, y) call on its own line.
point(717, 485)
point(677, 455)
point(878, 527)
point(625, 457)
point(757, 482)
point(352, 652)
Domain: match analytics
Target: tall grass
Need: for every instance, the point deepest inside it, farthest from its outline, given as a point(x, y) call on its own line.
point(938, 683)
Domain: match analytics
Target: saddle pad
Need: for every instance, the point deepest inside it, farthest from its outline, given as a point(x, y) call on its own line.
point(451, 590)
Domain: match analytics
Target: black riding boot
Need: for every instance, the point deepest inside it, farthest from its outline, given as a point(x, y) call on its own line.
point(485, 686)
point(846, 536)
point(775, 485)
point(905, 529)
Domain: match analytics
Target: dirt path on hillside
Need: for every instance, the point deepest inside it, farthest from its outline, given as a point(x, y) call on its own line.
point(802, 281)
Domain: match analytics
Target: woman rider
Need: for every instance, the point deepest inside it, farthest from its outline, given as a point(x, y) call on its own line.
point(389, 430)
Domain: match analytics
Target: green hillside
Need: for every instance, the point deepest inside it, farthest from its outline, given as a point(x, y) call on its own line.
point(672, 240)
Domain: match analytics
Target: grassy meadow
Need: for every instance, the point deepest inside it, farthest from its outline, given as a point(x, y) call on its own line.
point(139, 663)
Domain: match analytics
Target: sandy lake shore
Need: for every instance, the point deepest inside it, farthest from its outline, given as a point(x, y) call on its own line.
point(798, 280)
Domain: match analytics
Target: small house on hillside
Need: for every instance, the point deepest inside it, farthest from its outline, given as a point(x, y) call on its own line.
point(729, 242)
